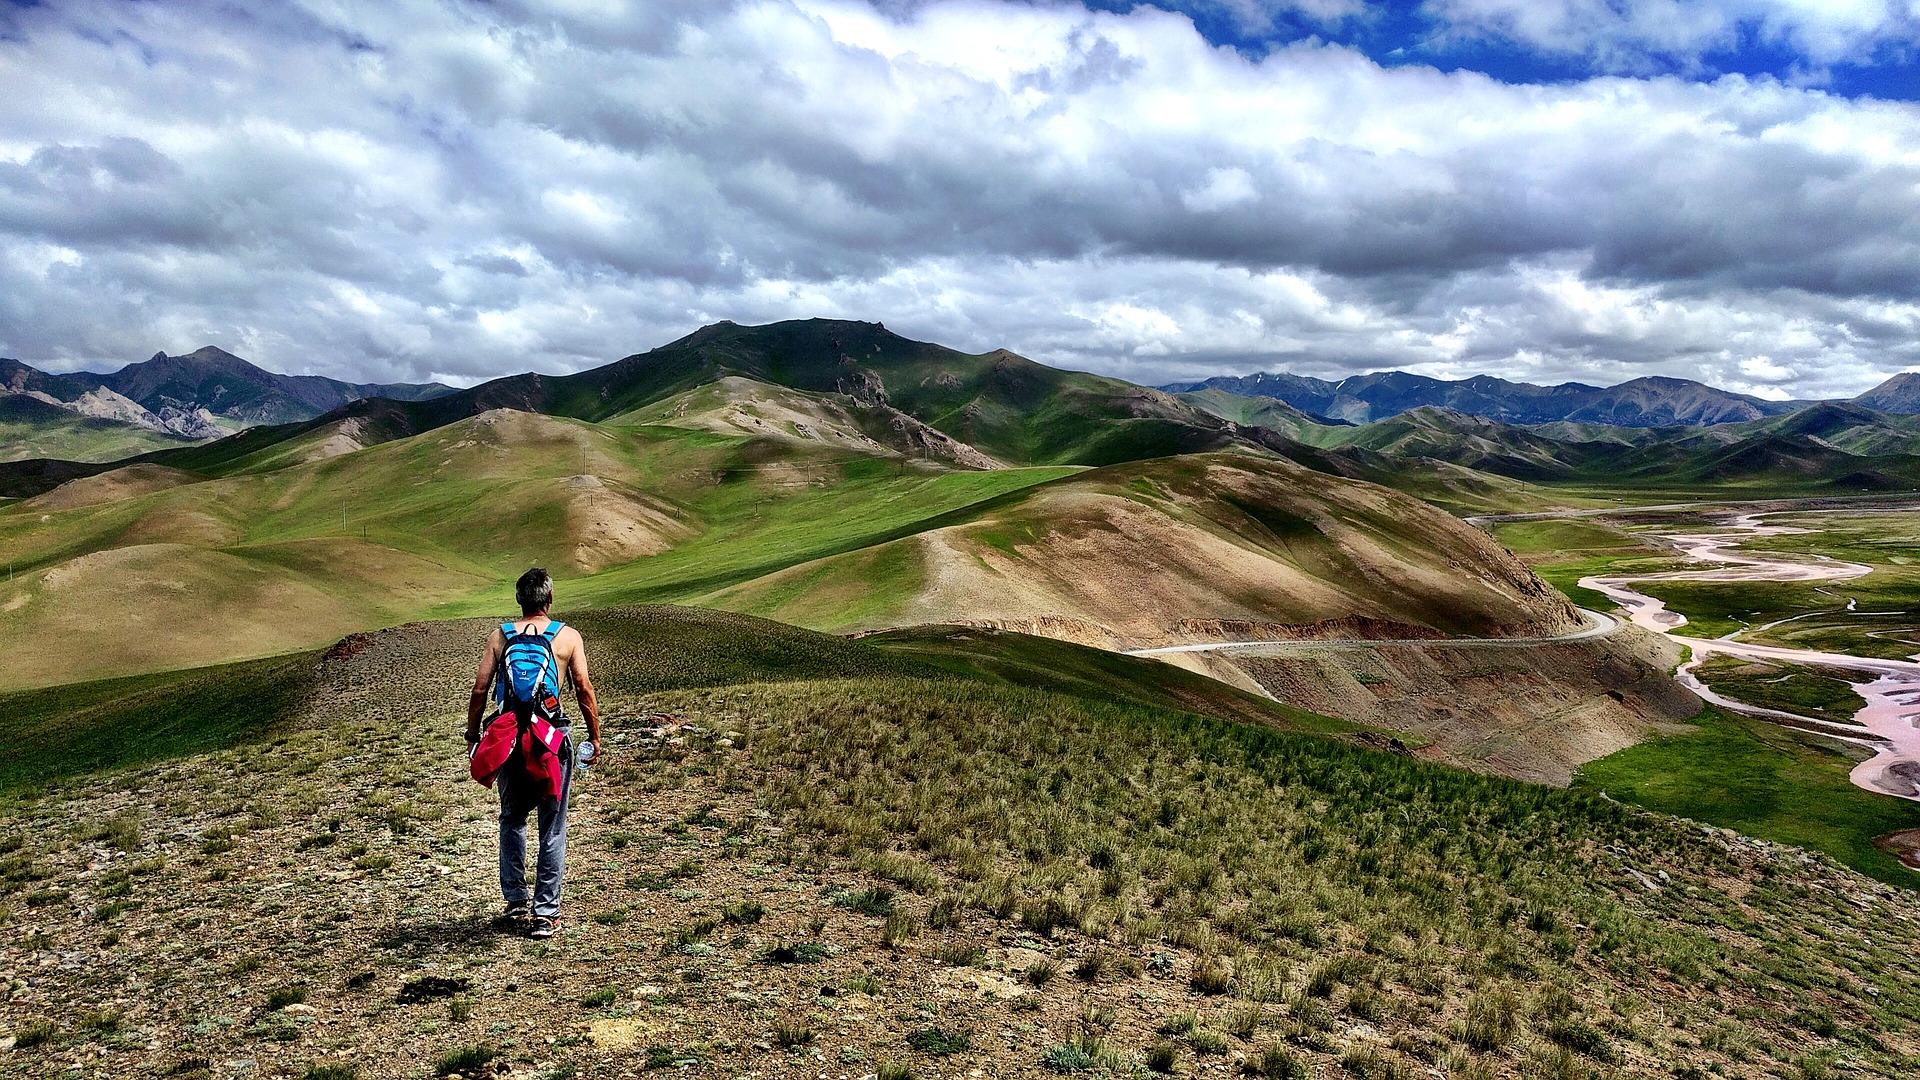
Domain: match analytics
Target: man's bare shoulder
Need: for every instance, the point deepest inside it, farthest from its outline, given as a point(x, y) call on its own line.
point(568, 640)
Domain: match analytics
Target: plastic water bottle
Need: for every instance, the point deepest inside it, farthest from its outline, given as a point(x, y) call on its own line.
point(583, 758)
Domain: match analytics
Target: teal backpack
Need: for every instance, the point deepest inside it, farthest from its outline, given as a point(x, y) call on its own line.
point(529, 682)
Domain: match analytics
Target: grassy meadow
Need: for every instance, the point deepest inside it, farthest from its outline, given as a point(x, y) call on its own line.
point(1734, 771)
point(1762, 780)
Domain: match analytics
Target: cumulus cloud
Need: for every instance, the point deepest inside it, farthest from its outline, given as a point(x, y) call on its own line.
point(463, 190)
point(1635, 35)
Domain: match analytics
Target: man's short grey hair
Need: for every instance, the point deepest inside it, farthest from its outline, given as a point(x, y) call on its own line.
point(534, 590)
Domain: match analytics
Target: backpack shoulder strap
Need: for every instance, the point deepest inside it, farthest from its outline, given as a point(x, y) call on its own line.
point(554, 626)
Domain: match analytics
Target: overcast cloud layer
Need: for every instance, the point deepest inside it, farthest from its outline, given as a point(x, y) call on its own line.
point(444, 190)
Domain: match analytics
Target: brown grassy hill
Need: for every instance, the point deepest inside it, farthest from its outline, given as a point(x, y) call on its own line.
point(737, 405)
point(807, 856)
point(1180, 549)
point(1536, 713)
point(146, 568)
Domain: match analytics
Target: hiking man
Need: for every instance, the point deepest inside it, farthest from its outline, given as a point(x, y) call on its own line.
point(528, 748)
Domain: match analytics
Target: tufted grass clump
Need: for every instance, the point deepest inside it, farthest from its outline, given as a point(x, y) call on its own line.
point(463, 1060)
point(1491, 1021)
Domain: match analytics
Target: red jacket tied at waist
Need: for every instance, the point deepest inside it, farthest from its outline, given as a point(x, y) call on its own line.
point(538, 744)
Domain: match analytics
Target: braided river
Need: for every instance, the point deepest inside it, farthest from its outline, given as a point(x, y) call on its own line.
point(1888, 727)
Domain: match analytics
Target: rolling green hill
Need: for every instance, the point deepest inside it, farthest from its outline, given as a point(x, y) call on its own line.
point(830, 472)
point(310, 535)
point(290, 555)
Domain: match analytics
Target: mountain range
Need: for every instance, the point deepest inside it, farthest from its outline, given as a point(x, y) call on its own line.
point(201, 395)
point(1654, 401)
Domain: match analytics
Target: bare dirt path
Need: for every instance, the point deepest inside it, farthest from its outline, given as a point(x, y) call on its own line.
point(1890, 722)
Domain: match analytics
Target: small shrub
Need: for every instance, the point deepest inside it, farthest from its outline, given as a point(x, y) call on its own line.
point(788, 1036)
point(1312, 1014)
point(1211, 976)
point(1041, 972)
point(1091, 966)
point(899, 927)
point(1163, 1057)
point(877, 902)
point(1491, 1020)
point(894, 1070)
point(1207, 1042)
point(1241, 1023)
point(959, 955)
point(1368, 1004)
point(806, 952)
point(464, 1060)
point(460, 1010)
point(601, 998)
point(1067, 1058)
point(331, 1072)
point(1367, 1063)
point(944, 915)
point(1045, 916)
point(660, 1057)
point(1179, 1023)
point(1583, 1038)
point(745, 913)
point(360, 981)
point(100, 1022)
point(939, 1042)
point(285, 996)
point(1277, 1062)
point(36, 1033)
point(862, 982)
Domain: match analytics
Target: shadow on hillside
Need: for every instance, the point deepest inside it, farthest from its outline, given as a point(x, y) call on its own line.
point(431, 935)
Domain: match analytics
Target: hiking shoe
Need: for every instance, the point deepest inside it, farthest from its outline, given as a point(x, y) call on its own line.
point(516, 910)
point(544, 926)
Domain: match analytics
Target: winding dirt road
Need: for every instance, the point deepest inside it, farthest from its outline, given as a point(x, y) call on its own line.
point(1597, 625)
point(1889, 724)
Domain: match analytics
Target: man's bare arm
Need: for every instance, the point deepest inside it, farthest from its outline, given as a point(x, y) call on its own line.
point(482, 680)
point(583, 693)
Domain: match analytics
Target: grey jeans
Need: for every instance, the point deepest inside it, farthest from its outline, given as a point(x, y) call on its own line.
point(518, 796)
